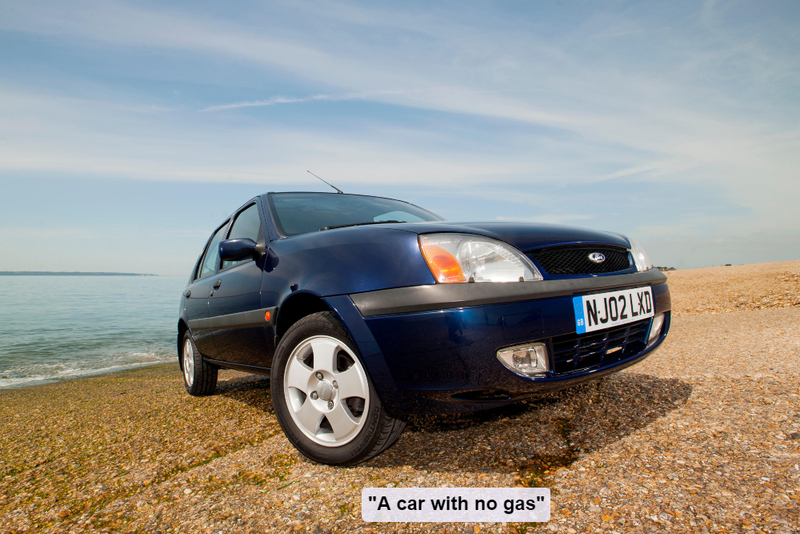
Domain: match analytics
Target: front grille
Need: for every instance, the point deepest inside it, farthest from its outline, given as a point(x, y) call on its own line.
point(575, 352)
point(575, 260)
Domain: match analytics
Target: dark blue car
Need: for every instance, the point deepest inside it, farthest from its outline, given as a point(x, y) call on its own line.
point(365, 309)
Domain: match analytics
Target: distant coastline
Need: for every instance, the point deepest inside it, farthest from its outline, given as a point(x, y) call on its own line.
point(67, 273)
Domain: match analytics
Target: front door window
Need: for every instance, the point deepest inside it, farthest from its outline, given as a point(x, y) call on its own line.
point(211, 260)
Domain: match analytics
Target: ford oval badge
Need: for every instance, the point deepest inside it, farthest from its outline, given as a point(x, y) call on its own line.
point(597, 257)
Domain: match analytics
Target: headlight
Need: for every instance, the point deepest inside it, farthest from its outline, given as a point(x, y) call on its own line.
point(455, 258)
point(640, 257)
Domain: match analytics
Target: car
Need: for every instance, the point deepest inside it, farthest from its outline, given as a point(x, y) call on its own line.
point(365, 310)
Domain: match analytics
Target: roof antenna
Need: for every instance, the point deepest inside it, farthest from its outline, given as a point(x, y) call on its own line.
point(333, 186)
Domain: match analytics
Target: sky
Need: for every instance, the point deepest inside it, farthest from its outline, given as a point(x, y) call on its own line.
point(129, 130)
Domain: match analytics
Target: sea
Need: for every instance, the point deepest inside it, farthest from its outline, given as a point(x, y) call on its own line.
point(61, 327)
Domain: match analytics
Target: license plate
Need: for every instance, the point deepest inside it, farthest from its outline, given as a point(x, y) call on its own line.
point(604, 310)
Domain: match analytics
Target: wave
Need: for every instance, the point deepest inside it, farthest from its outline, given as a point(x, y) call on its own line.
point(42, 373)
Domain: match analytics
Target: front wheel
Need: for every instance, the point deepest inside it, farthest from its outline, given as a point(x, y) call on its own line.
point(324, 399)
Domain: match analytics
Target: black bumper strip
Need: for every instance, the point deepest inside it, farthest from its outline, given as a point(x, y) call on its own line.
point(442, 296)
point(248, 319)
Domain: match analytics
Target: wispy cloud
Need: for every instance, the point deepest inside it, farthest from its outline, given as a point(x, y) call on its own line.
point(369, 95)
point(282, 100)
point(25, 232)
point(553, 218)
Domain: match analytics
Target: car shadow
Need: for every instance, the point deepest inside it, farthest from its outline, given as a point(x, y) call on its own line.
point(537, 436)
point(530, 438)
point(249, 389)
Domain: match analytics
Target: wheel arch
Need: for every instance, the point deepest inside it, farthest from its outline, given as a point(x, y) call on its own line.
point(295, 307)
point(182, 329)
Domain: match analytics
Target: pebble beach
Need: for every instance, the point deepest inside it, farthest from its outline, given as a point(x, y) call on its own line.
point(703, 436)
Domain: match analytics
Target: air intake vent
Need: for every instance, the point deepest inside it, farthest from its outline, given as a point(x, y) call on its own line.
point(575, 352)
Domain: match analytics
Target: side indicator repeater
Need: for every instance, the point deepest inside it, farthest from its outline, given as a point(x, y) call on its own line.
point(268, 316)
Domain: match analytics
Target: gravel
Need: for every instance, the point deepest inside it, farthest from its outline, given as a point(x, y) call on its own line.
point(703, 436)
point(745, 287)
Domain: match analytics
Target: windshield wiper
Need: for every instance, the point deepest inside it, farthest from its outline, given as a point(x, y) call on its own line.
point(358, 224)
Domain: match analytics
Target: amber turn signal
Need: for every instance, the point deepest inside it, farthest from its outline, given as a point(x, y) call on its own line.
point(444, 266)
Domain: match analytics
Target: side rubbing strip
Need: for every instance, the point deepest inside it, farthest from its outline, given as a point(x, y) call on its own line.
point(248, 319)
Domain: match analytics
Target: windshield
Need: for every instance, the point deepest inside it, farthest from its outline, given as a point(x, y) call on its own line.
point(300, 213)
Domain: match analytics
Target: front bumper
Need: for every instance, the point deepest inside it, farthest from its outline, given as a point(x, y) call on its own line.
point(435, 353)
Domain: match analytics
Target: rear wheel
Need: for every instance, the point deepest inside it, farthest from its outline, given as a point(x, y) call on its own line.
point(324, 399)
point(199, 377)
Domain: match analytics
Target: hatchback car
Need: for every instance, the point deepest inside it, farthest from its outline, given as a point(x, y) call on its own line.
point(363, 310)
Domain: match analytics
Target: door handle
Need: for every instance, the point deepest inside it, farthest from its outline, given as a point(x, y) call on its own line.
point(217, 284)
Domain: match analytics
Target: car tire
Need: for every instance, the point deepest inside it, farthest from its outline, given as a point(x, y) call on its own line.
point(323, 398)
point(199, 377)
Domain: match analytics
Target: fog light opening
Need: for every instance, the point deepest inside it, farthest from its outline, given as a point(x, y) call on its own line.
point(527, 360)
point(655, 328)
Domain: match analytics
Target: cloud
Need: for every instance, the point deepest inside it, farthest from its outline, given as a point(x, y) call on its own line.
point(371, 95)
point(470, 99)
point(553, 218)
point(95, 138)
point(279, 100)
point(27, 232)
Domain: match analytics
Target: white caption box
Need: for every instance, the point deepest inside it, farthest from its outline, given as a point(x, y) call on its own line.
point(453, 505)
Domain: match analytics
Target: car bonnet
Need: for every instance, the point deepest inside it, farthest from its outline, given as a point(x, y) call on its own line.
point(524, 236)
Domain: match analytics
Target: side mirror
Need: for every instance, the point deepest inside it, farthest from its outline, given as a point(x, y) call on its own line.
point(236, 249)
